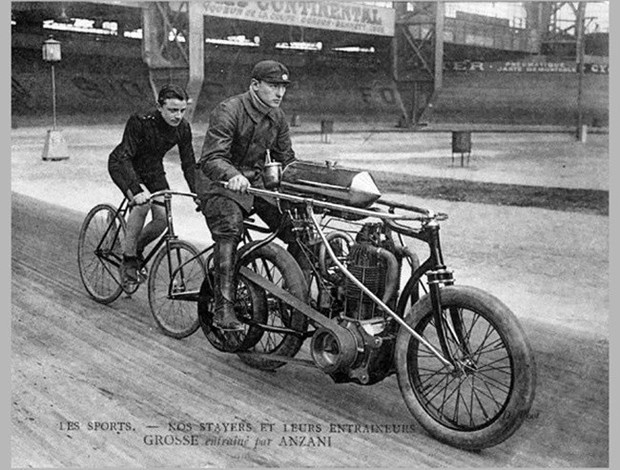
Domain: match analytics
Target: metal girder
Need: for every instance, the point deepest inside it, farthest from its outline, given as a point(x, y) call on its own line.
point(562, 35)
point(173, 46)
point(418, 55)
point(166, 35)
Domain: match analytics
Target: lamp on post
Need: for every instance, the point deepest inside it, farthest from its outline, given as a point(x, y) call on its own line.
point(55, 146)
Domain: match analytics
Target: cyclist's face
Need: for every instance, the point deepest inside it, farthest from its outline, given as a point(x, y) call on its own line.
point(269, 93)
point(173, 111)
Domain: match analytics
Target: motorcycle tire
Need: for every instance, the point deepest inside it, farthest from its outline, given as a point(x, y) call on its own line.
point(486, 398)
point(278, 265)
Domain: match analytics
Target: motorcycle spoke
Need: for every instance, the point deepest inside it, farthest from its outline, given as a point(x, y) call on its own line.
point(490, 381)
point(474, 393)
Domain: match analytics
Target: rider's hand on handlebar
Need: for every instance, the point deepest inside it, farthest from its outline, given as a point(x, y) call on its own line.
point(239, 184)
point(198, 204)
point(142, 198)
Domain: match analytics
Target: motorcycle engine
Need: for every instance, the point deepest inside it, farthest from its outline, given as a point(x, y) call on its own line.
point(374, 263)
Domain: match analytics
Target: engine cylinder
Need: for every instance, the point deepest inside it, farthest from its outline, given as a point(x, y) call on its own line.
point(378, 270)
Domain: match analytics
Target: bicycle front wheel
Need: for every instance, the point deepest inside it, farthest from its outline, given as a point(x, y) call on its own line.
point(173, 288)
point(100, 253)
point(487, 395)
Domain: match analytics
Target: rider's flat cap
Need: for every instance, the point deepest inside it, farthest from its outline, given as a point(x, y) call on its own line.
point(271, 71)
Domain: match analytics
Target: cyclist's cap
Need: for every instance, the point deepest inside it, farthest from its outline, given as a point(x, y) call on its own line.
point(271, 71)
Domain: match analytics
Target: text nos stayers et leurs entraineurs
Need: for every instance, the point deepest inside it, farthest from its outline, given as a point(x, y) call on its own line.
point(239, 433)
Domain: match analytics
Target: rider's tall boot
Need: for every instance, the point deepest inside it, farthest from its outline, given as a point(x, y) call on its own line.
point(224, 259)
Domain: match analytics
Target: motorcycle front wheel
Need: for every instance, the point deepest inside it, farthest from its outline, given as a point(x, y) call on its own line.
point(486, 396)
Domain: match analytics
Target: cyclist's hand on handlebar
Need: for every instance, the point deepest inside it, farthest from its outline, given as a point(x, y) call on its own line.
point(239, 184)
point(142, 198)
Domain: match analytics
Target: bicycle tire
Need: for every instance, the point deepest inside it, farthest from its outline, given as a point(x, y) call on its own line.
point(99, 259)
point(176, 318)
point(495, 355)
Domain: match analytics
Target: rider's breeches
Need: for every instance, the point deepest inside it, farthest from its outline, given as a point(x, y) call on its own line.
point(137, 237)
point(225, 218)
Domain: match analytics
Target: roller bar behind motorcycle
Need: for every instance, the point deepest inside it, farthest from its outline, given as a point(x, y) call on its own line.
point(356, 289)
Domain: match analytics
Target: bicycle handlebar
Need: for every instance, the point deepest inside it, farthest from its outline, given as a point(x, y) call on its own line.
point(163, 192)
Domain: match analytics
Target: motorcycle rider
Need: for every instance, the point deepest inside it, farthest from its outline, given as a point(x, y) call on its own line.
point(242, 129)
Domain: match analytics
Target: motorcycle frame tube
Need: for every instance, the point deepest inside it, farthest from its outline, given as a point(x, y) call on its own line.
point(424, 213)
point(429, 233)
point(367, 291)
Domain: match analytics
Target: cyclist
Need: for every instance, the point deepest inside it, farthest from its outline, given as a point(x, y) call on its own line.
point(136, 167)
point(241, 130)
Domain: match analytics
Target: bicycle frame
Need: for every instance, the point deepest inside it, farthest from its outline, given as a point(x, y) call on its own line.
point(164, 240)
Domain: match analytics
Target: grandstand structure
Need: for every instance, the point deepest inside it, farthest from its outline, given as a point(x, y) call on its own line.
point(407, 62)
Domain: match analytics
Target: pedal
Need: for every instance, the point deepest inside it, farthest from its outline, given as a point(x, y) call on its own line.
point(143, 275)
point(129, 286)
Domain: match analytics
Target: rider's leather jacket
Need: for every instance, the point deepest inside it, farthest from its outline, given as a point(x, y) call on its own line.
point(240, 131)
point(146, 140)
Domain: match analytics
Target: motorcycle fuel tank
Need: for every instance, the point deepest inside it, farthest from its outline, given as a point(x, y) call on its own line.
point(328, 182)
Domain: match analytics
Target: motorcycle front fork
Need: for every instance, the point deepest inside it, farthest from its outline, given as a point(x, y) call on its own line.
point(448, 322)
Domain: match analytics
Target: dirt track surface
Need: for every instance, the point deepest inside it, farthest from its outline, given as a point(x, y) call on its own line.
point(77, 361)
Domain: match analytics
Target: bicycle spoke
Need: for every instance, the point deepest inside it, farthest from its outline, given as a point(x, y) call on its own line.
point(176, 274)
point(100, 235)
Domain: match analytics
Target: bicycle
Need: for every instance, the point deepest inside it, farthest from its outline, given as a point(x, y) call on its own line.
point(176, 273)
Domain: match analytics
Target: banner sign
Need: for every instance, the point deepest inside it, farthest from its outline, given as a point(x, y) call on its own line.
point(524, 67)
point(338, 16)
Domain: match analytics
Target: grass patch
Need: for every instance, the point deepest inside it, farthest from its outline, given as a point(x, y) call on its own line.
point(589, 201)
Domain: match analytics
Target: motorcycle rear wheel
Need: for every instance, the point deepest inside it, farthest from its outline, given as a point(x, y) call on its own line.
point(488, 396)
point(254, 307)
point(278, 266)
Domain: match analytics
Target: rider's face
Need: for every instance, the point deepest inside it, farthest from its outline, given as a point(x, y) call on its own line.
point(173, 111)
point(269, 93)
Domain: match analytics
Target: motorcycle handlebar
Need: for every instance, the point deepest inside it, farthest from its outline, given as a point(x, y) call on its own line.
point(425, 215)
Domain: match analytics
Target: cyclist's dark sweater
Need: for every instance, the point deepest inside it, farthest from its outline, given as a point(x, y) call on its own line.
point(146, 140)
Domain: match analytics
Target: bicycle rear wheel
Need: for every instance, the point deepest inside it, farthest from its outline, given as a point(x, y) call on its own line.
point(174, 285)
point(100, 253)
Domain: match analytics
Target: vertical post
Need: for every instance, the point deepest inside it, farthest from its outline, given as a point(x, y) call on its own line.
point(196, 55)
point(53, 97)
point(440, 13)
point(580, 26)
point(55, 147)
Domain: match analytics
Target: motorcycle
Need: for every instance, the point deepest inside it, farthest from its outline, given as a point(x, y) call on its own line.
point(357, 291)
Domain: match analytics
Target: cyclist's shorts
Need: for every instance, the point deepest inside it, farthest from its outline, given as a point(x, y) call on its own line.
point(153, 182)
point(156, 182)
